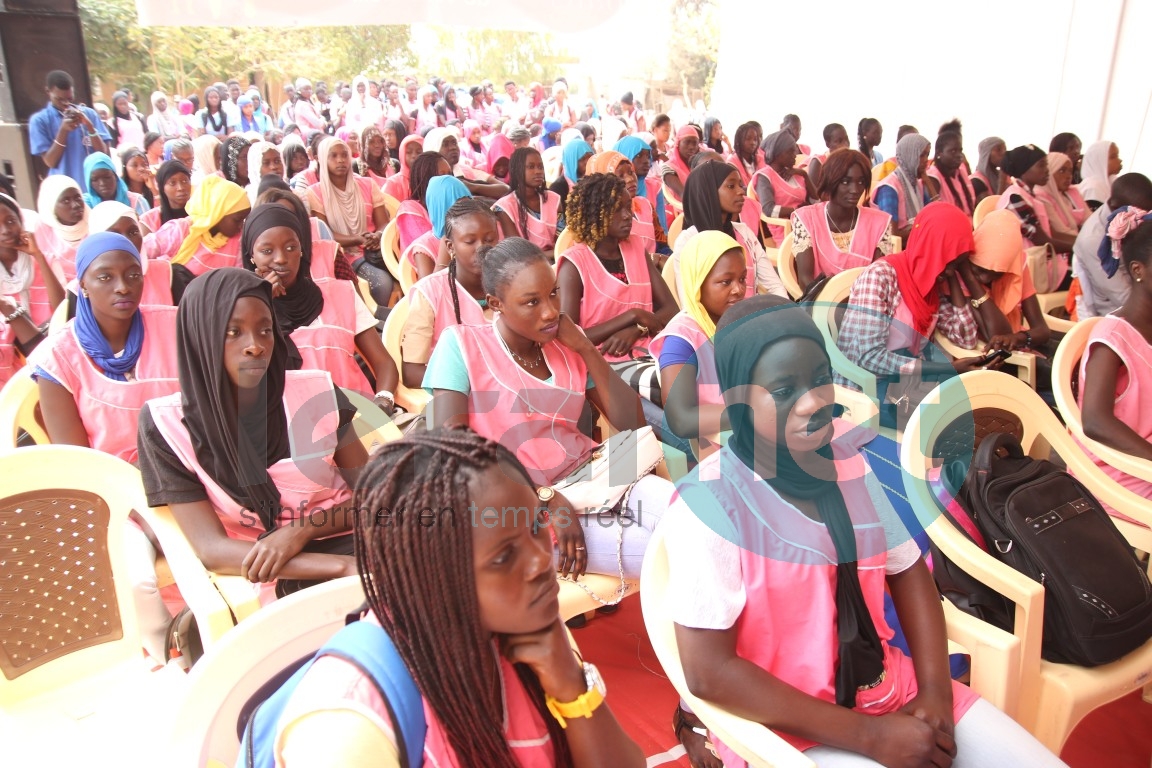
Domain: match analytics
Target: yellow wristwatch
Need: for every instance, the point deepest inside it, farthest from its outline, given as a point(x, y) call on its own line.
point(585, 704)
point(545, 493)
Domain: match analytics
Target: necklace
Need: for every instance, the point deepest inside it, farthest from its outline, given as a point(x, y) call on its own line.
point(526, 364)
point(832, 224)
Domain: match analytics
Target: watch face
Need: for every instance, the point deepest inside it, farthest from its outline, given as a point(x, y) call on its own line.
point(546, 493)
point(593, 679)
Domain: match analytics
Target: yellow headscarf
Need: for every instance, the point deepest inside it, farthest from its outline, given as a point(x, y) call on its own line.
point(1000, 248)
point(696, 261)
point(215, 198)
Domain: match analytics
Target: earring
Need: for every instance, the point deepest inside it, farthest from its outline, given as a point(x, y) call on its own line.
point(85, 292)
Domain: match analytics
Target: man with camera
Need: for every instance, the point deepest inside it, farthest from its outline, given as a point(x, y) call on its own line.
point(63, 133)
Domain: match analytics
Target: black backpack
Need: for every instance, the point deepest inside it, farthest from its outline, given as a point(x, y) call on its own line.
point(1044, 523)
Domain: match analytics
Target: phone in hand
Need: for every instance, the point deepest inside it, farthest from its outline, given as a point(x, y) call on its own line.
point(994, 355)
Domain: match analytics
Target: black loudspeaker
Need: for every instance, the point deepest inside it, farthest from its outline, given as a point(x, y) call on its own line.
point(31, 46)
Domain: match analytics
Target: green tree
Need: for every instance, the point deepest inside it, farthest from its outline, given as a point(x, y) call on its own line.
point(695, 44)
point(468, 56)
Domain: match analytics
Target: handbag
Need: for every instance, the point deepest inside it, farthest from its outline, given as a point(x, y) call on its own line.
point(611, 470)
point(643, 375)
point(1038, 258)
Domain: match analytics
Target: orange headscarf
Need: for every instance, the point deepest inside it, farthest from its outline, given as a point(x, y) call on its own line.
point(1000, 248)
point(605, 162)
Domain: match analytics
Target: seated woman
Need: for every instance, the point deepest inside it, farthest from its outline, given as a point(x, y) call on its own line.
point(398, 185)
point(530, 210)
point(639, 152)
point(502, 582)
point(869, 132)
point(903, 193)
point(950, 174)
point(394, 133)
point(674, 173)
point(412, 220)
point(1117, 364)
point(104, 184)
point(1104, 286)
point(780, 187)
point(327, 259)
point(295, 157)
point(573, 166)
point(356, 211)
point(1028, 166)
point(63, 224)
point(713, 274)
point(835, 137)
point(714, 137)
point(987, 179)
point(173, 188)
point(264, 160)
point(1101, 165)
point(472, 147)
point(837, 234)
point(500, 157)
point(478, 181)
point(896, 304)
point(138, 177)
point(643, 216)
point(29, 289)
point(787, 527)
point(713, 200)
point(375, 163)
point(1069, 144)
point(426, 254)
point(1066, 209)
point(220, 451)
point(452, 296)
point(234, 160)
point(523, 380)
point(164, 282)
point(608, 285)
point(746, 156)
point(325, 321)
point(209, 238)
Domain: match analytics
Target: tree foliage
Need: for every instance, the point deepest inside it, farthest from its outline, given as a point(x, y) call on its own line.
point(467, 56)
point(695, 43)
point(186, 59)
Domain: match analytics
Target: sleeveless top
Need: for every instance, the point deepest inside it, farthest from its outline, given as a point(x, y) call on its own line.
point(165, 244)
point(541, 231)
point(329, 342)
point(684, 326)
point(427, 244)
point(787, 195)
point(436, 288)
point(642, 227)
point(871, 224)
point(960, 183)
point(39, 311)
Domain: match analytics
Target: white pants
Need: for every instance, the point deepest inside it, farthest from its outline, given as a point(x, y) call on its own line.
point(985, 736)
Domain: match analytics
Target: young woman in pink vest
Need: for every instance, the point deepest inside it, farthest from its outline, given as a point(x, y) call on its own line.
point(325, 320)
point(452, 296)
point(643, 220)
point(746, 156)
point(781, 546)
point(903, 193)
point(63, 224)
point(412, 218)
point(328, 260)
point(1066, 208)
point(948, 171)
point(398, 185)
point(525, 380)
point(209, 238)
point(780, 187)
point(251, 457)
point(531, 210)
point(639, 153)
point(987, 179)
point(674, 173)
point(835, 137)
point(837, 234)
point(495, 616)
point(173, 188)
point(427, 253)
point(374, 163)
point(164, 282)
point(1028, 166)
point(29, 290)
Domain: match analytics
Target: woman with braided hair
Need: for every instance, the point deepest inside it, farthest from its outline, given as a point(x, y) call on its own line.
point(234, 160)
point(412, 218)
point(531, 210)
point(472, 611)
point(452, 296)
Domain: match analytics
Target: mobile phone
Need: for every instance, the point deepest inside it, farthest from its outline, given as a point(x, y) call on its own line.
point(994, 355)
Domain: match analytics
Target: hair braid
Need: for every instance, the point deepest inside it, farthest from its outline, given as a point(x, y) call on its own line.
point(452, 288)
point(418, 577)
point(861, 129)
point(517, 167)
point(590, 206)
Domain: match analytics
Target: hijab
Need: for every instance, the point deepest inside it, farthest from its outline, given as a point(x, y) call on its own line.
point(777, 143)
point(1065, 219)
point(630, 147)
point(17, 284)
point(748, 330)
point(984, 162)
point(469, 126)
point(165, 122)
point(674, 159)
point(87, 330)
point(206, 149)
point(909, 150)
point(941, 234)
point(397, 127)
point(500, 149)
point(405, 169)
point(234, 448)
point(709, 124)
point(50, 191)
point(606, 162)
point(696, 261)
point(246, 124)
point(999, 246)
point(1097, 184)
point(1121, 222)
point(435, 138)
point(572, 152)
point(702, 199)
point(214, 199)
point(568, 135)
point(167, 171)
point(256, 152)
point(443, 192)
point(344, 208)
point(107, 213)
point(230, 158)
point(1018, 160)
point(100, 161)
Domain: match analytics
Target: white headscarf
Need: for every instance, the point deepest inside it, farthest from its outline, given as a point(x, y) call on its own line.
point(107, 213)
point(168, 125)
point(344, 208)
point(255, 159)
point(50, 191)
point(1096, 184)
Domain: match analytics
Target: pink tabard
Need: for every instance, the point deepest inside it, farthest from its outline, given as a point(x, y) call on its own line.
point(1058, 264)
point(788, 570)
point(734, 160)
point(151, 219)
point(436, 288)
point(397, 186)
point(60, 255)
point(324, 254)
point(642, 226)
point(893, 181)
point(605, 297)
point(541, 231)
point(157, 284)
point(411, 221)
point(109, 409)
point(364, 187)
point(534, 419)
point(960, 183)
point(40, 311)
point(166, 243)
point(427, 244)
point(787, 195)
point(871, 225)
point(752, 248)
point(684, 326)
point(329, 342)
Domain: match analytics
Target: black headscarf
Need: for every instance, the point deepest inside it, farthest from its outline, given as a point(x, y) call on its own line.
point(745, 332)
point(1017, 161)
point(235, 448)
point(230, 152)
point(702, 198)
point(167, 171)
point(304, 300)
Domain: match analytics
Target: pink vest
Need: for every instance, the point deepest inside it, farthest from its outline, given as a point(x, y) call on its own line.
point(1131, 401)
point(411, 221)
point(109, 409)
point(437, 290)
point(60, 255)
point(787, 196)
point(983, 180)
point(1058, 264)
point(684, 326)
point(329, 342)
point(534, 419)
point(959, 180)
point(427, 244)
point(364, 187)
point(893, 181)
point(871, 225)
point(397, 186)
point(605, 297)
point(40, 311)
point(642, 227)
point(734, 160)
point(151, 219)
point(789, 574)
point(324, 254)
point(166, 243)
point(541, 231)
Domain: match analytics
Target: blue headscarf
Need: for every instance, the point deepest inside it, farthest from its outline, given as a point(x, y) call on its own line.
point(551, 126)
point(95, 162)
point(87, 330)
point(168, 148)
point(630, 146)
point(573, 151)
point(443, 192)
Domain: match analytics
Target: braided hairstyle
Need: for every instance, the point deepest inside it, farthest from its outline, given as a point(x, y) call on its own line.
point(423, 170)
point(420, 583)
point(742, 133)
point(462, 209)
point(503, 261)
point(517, 166)
point(865, 125)
point(590, 206)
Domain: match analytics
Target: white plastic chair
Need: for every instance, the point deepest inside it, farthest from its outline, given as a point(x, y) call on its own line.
point(18, 401)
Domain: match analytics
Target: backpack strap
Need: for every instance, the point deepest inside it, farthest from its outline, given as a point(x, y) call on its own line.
point(982, 461)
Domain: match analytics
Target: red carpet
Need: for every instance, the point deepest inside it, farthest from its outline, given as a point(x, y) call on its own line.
point(1118, 735)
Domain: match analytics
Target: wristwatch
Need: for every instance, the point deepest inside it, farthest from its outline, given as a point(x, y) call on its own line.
point(545, 493)
point(585, 704)
point(19, 312)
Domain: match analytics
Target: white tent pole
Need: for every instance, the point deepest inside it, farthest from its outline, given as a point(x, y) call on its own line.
point(1112, 68)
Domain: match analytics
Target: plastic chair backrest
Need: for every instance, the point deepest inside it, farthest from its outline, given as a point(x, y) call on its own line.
point(983, 208)
point(59, 317)
point(392, 205)
point(897, 244)
point(411, 400)
point(825, 313)
point(672, 278)
point(390, 248)
point(565, 241)
point(675, 228)
point(786, 266)
point(18, 401)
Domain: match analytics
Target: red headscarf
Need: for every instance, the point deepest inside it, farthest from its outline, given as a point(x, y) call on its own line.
point(674, 159)
point(940, 235)
point(500, 149)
